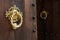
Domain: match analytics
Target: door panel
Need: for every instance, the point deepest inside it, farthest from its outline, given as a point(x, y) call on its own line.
point(48, 29)
point(28, 30)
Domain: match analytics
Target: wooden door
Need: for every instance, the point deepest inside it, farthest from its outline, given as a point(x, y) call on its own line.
point(28, 30)
point(49, 28)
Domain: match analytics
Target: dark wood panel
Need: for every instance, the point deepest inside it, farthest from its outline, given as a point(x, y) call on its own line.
point(48, 29)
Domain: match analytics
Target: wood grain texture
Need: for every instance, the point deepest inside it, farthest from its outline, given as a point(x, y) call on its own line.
point(26, 31)
point(48, 29)
point(4, 23)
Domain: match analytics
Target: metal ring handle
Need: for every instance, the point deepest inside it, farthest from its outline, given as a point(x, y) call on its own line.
point(43, 15)
point(15, 17)
point(16, 25)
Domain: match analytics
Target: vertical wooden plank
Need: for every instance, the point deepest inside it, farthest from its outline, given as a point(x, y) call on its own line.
point(34, 19)
point(30, 13)
point(56, 21)
point(4, 22)
point(11, 36)
point(28, 19)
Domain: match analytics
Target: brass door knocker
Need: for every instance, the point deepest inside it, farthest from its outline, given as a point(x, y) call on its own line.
point(43, 15)
point(15, 16)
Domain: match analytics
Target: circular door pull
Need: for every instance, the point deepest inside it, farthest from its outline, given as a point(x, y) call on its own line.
point(43, 15)
point(15, 16)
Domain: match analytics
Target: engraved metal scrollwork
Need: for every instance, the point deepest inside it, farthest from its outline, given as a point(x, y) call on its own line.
point(15, 16)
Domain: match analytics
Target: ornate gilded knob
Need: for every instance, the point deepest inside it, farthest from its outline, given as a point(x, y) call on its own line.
point(15, 16)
